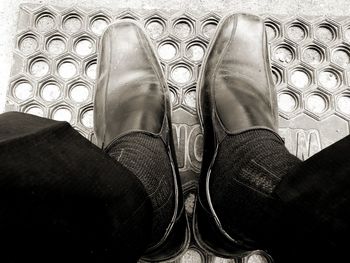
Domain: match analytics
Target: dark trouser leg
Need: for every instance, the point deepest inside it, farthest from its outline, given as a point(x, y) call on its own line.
point(297, 211)
point(62, 199)
point(318, 190)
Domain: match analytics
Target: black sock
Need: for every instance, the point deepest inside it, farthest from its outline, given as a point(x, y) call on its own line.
point(146, 156)
point(247, 169)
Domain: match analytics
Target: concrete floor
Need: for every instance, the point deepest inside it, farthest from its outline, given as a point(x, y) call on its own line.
point(9, 12)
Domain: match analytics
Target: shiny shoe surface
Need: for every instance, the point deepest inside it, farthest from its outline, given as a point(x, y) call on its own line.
point(132, 96)
point(235, 94)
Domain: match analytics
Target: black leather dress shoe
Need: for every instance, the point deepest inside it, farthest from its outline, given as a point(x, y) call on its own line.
point(235, 94)
point(132, 96)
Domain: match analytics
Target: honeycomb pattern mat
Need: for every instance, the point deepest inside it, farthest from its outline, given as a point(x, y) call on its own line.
point(54, 70)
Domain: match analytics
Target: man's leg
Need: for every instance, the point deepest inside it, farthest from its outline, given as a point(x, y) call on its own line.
point(62, 199)
point(295, 210)
point(317, 192)
point(254, 194)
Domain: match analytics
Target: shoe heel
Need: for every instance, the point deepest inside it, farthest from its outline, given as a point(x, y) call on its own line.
point(209, 237)
point(174, 245)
